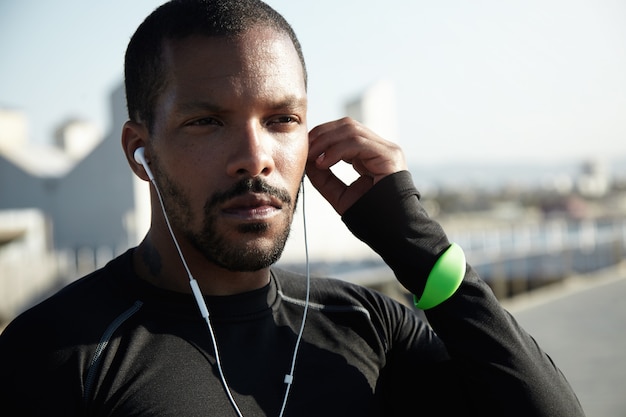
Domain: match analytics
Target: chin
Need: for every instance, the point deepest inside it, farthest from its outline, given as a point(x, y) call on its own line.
point(250, 250)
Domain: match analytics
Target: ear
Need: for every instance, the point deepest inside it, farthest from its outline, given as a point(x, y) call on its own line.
point(135, 135)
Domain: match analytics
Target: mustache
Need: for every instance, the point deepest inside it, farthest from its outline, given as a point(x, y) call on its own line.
point(246, 186)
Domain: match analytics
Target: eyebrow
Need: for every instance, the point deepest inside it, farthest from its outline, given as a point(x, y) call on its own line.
point(289, 102)
point(191, 106)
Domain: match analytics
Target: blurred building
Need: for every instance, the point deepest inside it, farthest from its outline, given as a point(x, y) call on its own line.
point(83, 185)
point(594, 179)
point(77, 138)
point(376, 108)
point(77, 196)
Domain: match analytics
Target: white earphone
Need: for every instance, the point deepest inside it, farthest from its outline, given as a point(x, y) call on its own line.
point(140, 158)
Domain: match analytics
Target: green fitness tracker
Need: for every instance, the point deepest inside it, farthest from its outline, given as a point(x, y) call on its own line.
point(444, 279)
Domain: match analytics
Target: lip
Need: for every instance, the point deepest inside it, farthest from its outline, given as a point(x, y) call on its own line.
point(252, 206)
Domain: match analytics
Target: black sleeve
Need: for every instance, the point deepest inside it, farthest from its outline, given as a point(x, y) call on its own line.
point(501, 366)
point(35, 376)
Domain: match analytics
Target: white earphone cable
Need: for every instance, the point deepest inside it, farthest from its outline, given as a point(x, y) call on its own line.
point(289, 376)
point(205, 312)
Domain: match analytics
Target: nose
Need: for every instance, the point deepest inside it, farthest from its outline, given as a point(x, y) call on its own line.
point(251, 154)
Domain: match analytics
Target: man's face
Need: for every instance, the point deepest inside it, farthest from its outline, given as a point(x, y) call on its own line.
point(229, 144)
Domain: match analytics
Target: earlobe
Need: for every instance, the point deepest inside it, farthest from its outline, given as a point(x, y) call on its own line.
point(134, 136)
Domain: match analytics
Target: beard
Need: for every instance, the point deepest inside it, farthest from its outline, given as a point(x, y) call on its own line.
point(234, 254)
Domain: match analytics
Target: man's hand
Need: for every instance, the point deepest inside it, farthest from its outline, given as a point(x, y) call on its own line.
point(347, 140)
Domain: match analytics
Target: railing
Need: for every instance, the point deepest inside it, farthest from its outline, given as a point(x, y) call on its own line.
point(523, 257)
point(26, 278)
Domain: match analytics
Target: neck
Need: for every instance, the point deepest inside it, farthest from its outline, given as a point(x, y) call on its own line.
point(160, 264)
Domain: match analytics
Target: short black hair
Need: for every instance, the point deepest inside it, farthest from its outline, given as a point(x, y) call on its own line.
point(145, 74)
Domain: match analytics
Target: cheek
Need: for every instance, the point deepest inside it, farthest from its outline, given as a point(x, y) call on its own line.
point(293, 160)
point(195, 181)
point(296, 151)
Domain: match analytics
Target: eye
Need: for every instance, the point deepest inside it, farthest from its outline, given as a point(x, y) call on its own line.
point(205, 121)
point(283, 120)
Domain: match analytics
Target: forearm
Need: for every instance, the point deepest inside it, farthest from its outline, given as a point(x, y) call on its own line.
point(498, 357)
point(493, 354)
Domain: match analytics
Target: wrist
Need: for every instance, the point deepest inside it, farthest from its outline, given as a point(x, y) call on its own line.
point(444, 278)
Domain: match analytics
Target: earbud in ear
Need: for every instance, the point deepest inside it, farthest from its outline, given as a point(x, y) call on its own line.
point(140, 158)
point(140, 155)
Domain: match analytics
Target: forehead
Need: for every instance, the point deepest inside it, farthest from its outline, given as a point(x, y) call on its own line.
point(258, 56)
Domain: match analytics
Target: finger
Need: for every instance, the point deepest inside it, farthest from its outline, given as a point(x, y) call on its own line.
point(327, 183)
point(328, 126)
point(324, 135)
point(336, 192)
point(369, 154)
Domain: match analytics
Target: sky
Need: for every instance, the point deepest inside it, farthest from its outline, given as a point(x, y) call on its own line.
point(486, 81)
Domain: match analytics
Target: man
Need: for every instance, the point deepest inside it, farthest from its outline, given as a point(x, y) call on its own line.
point(196, 321)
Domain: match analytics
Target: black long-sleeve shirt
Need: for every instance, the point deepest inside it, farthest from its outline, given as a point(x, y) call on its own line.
point(111, 344)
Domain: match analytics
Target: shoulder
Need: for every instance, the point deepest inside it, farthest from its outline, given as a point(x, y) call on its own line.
point(75, 308)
